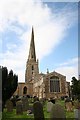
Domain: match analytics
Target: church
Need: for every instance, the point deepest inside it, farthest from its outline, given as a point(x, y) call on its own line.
point(42, 85)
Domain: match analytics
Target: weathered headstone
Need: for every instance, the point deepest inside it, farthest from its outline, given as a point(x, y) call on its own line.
point(57, 111)
point(69, 106)
point(19, 107)
point(25, 103)
point(38, 111)
point(9, 106)
point(49, 106)
point(77, 104)
point(77, 114)
point(77, 110)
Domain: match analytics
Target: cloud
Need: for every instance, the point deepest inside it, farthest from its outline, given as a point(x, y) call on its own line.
point(49, 29)
point(70, 62)
point(69, 69)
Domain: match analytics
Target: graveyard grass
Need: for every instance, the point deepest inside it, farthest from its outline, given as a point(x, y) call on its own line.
point(6, 114)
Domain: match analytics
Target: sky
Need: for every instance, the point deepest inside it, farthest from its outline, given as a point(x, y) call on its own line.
point(55, 33)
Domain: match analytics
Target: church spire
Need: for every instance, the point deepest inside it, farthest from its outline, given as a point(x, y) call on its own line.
point(32, 54)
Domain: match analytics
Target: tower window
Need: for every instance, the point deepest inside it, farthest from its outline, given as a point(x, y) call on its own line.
point(32, 56)
point(32, 67)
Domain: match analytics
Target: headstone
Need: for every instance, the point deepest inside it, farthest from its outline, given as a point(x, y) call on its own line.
point(25, 103)
point(77, 114)
point(77, 104)
point(49, 106)
point(19, 107)
point(69, 106)
point(38, 111)
point(9, 106)
point(57, 111)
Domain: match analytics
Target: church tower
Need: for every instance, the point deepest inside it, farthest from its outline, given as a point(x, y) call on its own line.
point(31, 66)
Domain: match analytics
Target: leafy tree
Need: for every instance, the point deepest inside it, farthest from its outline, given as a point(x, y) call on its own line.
point(9, 84)
point(75, 87)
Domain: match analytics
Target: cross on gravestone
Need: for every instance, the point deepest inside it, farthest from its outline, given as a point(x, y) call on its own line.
point(25, 103)
point(19, 107)
point(9, 106)
point(38, 111)
point(57, 112)
point(49, 106)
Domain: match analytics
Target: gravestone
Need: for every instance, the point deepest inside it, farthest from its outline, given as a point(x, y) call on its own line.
point(25, 103)
point(77, 114)
point(77, 110)
point(49, 106)
point(57, 112)
point(77, 104)
point(38, 111)
point(69, 106)
point(9, 106)
point(19, 107)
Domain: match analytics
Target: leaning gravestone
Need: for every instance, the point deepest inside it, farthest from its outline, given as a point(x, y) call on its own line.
point(49, 106)
point(57, 112)
point(25, 103)
point(38, 111)
point(9, 106)
point(19, 107)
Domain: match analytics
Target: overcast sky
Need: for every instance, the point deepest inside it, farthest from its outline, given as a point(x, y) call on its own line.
point(55, 33)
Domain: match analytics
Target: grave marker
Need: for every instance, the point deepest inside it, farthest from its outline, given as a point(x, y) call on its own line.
point(38, 111)
point(9, 106)
point(57, 111)
point(19, 107)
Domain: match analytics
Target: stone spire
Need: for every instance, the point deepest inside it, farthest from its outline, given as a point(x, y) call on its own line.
point(32, 54)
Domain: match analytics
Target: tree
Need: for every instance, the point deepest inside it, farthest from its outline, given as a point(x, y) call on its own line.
point(9, 84)
point(75, 87)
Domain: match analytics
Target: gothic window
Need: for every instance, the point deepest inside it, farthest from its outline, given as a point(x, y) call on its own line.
point(25, 90)
point(54, 84)
point(32, 67)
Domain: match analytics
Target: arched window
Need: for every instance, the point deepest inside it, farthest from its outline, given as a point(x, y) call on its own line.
point(54, 84)
point(25, 90)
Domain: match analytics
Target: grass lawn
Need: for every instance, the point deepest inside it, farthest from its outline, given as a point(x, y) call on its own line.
point(7, 115)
